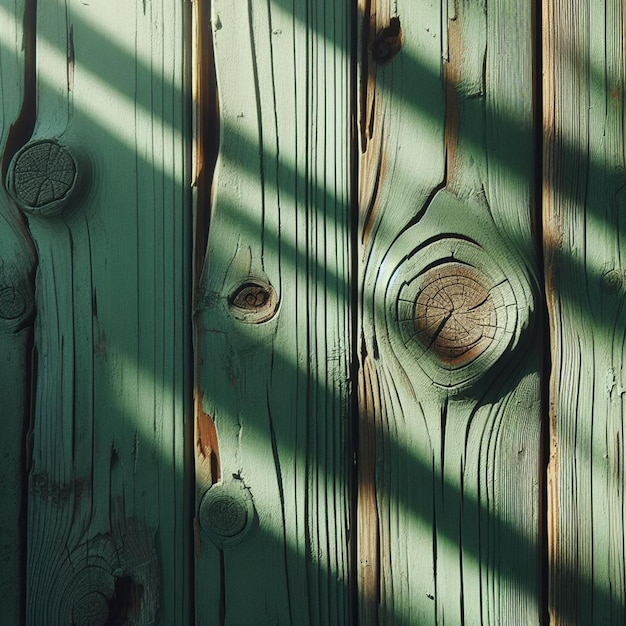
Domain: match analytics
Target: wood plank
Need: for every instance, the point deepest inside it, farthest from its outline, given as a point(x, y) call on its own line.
point(585, 270)
point(450, 428)
point(16, 304)
point(102, 182)
point(273, 322)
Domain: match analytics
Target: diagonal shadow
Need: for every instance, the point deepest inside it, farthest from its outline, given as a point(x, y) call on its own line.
point(576, 269)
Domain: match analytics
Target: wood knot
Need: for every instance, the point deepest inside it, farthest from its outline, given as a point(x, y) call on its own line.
point(226, 512)
point(16, 297)
point(253, 302)
point(91, 609)
point(456, 304)
point(457, 315)
point(13, 304)
point(454, 313)
point(611, 282)
point(110, 578)
point(42, 176)
point(387, 43)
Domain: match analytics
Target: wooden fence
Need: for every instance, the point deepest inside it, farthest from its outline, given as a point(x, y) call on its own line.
point(312, 312)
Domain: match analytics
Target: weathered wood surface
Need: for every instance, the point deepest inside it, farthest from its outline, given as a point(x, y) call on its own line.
point(584, 195)
point(449, 458)
point(16, 304)
point(273, 324)
point(103, 185)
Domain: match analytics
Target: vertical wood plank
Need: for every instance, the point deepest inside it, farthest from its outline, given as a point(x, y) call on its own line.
point(16, 304)
point(273, 324)
point(449, 463)
point(584, 186)
point(103, 185)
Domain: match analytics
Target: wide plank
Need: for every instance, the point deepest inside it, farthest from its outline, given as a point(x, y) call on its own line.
point(450, 360)
point(272, 321)
point(103, 182)
point(584, 194)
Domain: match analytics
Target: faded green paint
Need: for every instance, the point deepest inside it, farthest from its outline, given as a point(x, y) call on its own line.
point(107, 496)
point(441, 523)
point(449, 513)
point(584, 249)
point(272, 318)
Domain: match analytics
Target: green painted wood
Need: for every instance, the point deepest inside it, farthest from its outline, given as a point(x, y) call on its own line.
point(103, 185)
point(450, 424)
point(273, 322)
point(16, 303)
point(584, 198)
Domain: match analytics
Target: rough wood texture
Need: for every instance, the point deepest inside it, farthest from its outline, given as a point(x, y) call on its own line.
point(102, 183)
point(584, 199)
point(16, 305)
point(449, 459)
point(272, 322)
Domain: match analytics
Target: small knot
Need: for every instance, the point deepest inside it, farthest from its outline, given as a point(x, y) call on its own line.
point(226, 512)
point(611, 282)
point(12, 303)
point(253, 302)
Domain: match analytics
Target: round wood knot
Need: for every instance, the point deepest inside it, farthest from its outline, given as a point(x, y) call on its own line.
point(254, 301)
point(454, 311)
point(13, 305)
point(611, 282)
point(454, 315)
point(92, 609)
point(456, 304)
point(226, 512)
point(42, 176)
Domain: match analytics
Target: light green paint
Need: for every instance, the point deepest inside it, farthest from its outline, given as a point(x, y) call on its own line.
point(108, 496)
point(585, 275)
point(278, 391)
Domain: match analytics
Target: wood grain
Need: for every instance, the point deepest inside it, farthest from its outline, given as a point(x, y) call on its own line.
point(584, 186)
point(108, 538)
point(449, 465)
point(16, 305)
point(273, 322)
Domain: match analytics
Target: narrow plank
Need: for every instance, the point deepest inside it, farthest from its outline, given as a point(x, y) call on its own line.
point(450, 428)
point(16, 304)
point(273, 323)
point(103, 185)
point(584, 186)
